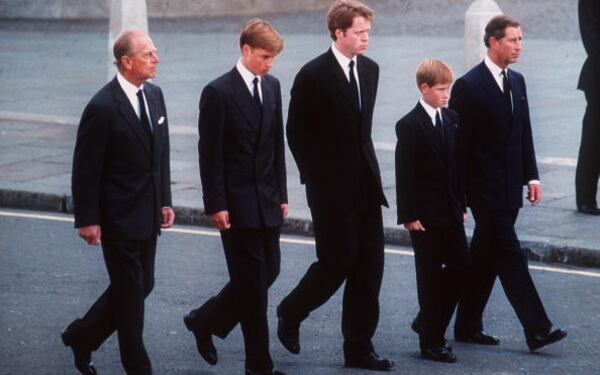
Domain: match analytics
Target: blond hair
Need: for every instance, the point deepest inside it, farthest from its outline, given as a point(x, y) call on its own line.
point(433, 72)
point(261, 34)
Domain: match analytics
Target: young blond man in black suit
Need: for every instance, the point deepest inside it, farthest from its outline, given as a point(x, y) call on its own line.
point(242, 169)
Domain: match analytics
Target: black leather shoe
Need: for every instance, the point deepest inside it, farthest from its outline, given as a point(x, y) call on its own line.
point(274, 372)
point(204, 342)
point(288, 333)
point(480, 338)
point(416, 328)
point(370, 361)
point(588, 209)
point(538, 341)
point(439, 354)
point(83, 357)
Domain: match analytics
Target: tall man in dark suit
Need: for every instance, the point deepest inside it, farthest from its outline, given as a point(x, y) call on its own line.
point(122, 196)
point(588, 163)
point(329, 134)
point(242, 168)
point(431, 205)
point(492, 103)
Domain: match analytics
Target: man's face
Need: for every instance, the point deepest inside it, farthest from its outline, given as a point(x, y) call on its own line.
point(141, 64)
point(508, 49)
point(257, 60)
point(355, 40)
point(437, 95)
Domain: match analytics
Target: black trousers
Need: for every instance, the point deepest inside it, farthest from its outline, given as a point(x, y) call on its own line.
point(496, 251)
point(349, 248)
point(441, 259)
point(130, 265)
point(253, 261)
point(588, 162)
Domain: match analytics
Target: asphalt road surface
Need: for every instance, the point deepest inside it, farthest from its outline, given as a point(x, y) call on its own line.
point(48, 277)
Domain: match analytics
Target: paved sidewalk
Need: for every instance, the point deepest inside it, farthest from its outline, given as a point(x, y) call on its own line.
point(48, 71)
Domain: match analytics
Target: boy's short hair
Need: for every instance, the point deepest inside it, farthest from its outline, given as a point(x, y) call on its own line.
point(434, 72)
point(342, 12)
point(261, 34)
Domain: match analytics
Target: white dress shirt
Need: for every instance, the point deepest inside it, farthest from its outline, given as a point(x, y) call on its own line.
point(344, 63)
point(131, 93)
point(431, 111)
point(248, 78)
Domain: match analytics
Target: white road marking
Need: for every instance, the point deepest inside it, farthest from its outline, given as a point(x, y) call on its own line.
point(284, 239)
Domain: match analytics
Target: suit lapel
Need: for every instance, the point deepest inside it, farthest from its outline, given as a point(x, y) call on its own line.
point(268, 105)
point(243, 99)
point(449, 131)
point(129, 115)
point(342, 81)
point(490, 86)
point(429, 131)
point(153, 104)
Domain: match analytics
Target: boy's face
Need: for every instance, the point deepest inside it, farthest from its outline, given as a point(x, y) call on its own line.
point(437, 95)
point(257, 60)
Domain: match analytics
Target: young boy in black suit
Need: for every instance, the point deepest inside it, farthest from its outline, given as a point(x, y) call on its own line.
point(431, 205)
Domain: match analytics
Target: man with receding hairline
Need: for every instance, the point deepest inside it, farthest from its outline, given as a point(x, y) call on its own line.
point(329, 134)
point(491, 100)
point(122, 198)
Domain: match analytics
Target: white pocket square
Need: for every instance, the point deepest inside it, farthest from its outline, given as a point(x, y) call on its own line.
point(161, 120)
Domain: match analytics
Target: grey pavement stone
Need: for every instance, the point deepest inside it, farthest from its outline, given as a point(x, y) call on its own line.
point(49, 71)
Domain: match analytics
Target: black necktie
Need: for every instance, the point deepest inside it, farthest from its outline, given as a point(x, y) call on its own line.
point(255, 93)
point(143, 115)
point(439, 126)
point(353, 84)
point(506, 89)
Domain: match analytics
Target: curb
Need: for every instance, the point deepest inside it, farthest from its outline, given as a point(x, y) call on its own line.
point(542, 250)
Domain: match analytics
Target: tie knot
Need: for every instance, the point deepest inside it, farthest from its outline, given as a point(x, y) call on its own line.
point(504, 74)
point(351, 64)
point(140, 93)
point(256, 80)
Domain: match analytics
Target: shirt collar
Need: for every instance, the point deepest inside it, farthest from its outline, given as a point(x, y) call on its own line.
point(430, 110)
point(129, 88)
point(341, 59)
point(246, 74)
point(495, 69)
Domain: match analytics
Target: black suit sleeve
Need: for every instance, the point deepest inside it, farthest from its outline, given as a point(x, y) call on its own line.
point(589, 25)
point(280, 148)
point(165, 162)
point(211, 128)
point(530, 171)
point(88, 161)
point(405, 173)
point(300, 120)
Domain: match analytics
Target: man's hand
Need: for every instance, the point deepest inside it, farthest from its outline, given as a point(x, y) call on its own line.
point(168, 217)
point(284, 210)
point(414, 225)
point(90, 234)
point(220, 220)
point(534, 193)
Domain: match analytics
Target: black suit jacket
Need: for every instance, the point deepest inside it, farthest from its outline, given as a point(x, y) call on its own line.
point(499, 145)
point(429, 171)
point(241, 153)
point(121, 176)
point(589, 25)
point(330, 138)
